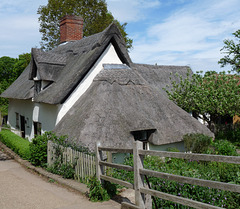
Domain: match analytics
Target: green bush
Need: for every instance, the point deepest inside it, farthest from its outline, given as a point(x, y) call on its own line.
point(197, 143)
point(38, 148)
point(111, 188)
point(16, 143)
point(67, 171)
point(96, 191)
point(223, 172)
point(224, 147)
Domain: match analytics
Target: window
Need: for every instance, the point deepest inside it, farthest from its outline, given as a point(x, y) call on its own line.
point(17, 120)
point(37, 128)
point(37, 86)
point(46, 84)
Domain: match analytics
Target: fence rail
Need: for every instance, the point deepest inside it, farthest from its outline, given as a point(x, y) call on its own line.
point(140, 172)
point(84, 164)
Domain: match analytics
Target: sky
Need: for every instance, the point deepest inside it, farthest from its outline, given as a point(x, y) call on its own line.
point(164, 32)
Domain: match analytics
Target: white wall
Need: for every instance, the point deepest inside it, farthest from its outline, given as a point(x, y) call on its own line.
point(49, 115)
point(33, 112)
point(109, 56)
point(24, 108)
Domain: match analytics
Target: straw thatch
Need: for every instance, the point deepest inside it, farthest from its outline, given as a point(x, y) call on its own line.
point(120, 101)
point(158, 75)
point(66, 66)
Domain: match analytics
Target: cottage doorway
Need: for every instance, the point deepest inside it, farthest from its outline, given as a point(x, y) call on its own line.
point(22, 121)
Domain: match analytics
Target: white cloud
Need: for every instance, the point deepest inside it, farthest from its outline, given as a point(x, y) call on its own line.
point(131, 11)
point(191, 35)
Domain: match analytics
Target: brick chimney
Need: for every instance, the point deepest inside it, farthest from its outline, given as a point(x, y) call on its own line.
point(71, 28)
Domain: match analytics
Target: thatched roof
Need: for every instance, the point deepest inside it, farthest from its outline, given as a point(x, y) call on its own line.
point(66, 65)
point(120, 101)
point(158, 76)
point(21, 88)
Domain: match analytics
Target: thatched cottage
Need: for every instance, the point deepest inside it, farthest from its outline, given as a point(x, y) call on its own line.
point(89, 89)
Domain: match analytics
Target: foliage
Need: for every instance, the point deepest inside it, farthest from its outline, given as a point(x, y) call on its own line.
point(21, 63)
point(10, 69)
point(210, 171)
point(210, 97)
point(16, 143)
point(94, 12)
point(38, 148)
point(224, 147)
point(122, 174)
point(232, 49)
point(173, 149)
point(230, 133)
point(197, 143)
point(6, 78)
point(214, 171)
point(62, 166)
point(7, 69)
point(96, 191)
point(78, 147)
point(67, 170)
point(110, 188)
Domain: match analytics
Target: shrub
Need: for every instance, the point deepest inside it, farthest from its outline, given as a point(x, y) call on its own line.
point(67, 171)
point(96, 191)
point(224, 147)
point(224, 172)
point(110, 188)
point(173, 149)
point(38, 148)
point(197, 143)
point(16, 143)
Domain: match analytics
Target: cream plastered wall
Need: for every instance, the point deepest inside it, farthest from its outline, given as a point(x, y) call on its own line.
point(33, 112)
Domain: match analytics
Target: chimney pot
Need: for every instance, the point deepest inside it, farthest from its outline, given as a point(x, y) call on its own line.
point(71, 28)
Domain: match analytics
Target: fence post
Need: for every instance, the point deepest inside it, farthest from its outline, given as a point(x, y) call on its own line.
point(99, 168)
point(49, 153)
point(138, 178)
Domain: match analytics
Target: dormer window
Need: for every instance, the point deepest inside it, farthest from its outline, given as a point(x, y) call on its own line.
point(37, 86)
point(45, 84)
point(41, 85)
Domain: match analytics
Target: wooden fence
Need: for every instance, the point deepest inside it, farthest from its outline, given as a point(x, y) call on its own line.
point(84, 164)
point(139, 172)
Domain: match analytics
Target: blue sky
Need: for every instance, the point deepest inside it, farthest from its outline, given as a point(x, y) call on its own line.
point(166, 32)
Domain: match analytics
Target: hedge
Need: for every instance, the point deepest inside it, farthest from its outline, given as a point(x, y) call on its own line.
point(16, 143)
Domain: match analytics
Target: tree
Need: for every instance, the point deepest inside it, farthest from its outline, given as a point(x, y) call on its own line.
point(6, 68)
point(21, 63)
point(232, 49)
point(94, 12)
point(10, 69)
point(210, 97)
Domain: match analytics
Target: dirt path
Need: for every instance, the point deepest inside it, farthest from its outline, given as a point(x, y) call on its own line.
point(21, 189)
